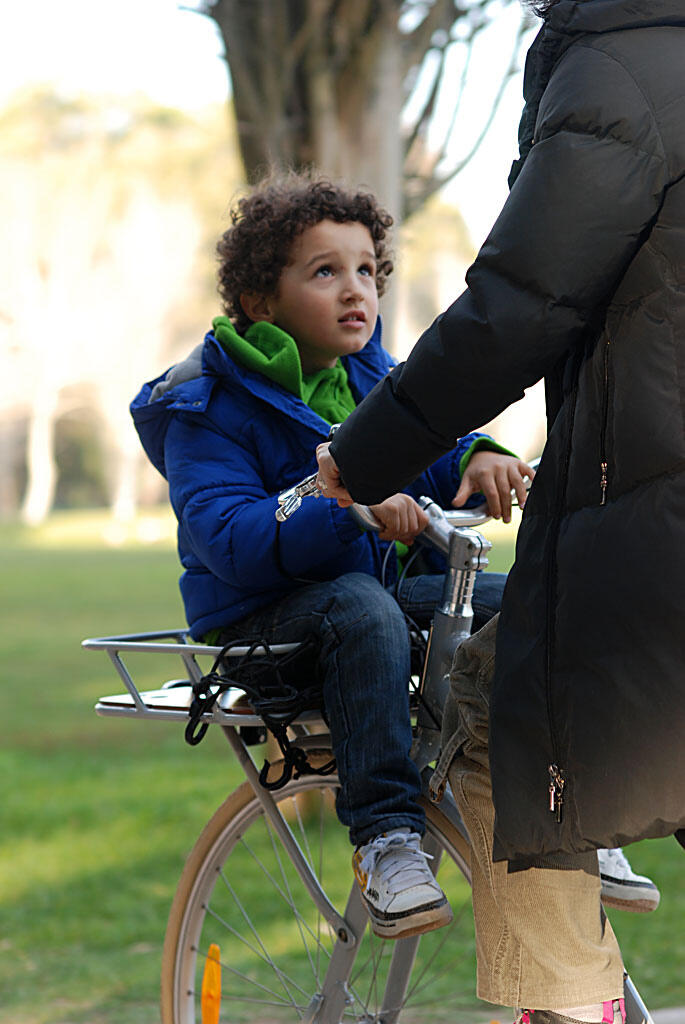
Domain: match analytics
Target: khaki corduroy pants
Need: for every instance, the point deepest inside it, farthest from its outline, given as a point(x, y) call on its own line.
point(542, 938)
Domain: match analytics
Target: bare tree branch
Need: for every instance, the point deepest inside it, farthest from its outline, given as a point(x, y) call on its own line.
point(350, 20)
point(415, 44)
point(439, 156)
point(324, 82)
point(423, 118)
point(433, 182)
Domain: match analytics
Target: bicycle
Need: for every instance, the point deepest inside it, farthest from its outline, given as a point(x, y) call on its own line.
point(228, 947)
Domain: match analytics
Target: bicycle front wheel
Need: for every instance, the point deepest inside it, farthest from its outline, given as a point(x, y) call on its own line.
point(240, 895)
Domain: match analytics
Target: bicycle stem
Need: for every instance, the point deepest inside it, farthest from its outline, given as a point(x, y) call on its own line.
point(466, 552)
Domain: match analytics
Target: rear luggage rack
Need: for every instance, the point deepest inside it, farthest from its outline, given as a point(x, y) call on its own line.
point(171, 702)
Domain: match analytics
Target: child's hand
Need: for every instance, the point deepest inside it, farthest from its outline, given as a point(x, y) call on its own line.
point(401, 517)
point(495, 476)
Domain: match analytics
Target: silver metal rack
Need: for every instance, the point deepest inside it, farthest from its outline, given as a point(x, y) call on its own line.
point(172, 700)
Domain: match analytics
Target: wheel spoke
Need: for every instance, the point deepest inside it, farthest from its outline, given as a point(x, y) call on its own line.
point(262, 954)
point(298, 919)
point(242, 891)
point(371, 961)
point(275, 1001)
point(417, 985)
point(284, 896)
point(283, 978)
point(318, 869)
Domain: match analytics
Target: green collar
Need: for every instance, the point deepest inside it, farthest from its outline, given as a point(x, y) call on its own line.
point(268, 350)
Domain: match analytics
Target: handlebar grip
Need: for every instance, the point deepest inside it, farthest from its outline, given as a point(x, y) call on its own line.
point(364, 518)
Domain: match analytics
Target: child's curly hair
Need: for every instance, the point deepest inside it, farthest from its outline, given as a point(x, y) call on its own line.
point(253, 252)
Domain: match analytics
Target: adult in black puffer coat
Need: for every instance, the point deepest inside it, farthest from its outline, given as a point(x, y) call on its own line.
point(581, 280)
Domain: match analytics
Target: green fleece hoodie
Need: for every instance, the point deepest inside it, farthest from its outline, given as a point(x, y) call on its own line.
point(268, 350)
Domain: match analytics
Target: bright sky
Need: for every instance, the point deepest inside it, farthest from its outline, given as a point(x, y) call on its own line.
point(174, 56)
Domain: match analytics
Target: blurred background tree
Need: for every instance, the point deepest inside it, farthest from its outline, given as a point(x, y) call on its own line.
point(108, 224)
point(358, 88)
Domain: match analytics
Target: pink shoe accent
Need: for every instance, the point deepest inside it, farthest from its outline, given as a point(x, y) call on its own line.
point(608, 1007)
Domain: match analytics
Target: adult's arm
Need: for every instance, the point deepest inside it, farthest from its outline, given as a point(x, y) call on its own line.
point(587, 195)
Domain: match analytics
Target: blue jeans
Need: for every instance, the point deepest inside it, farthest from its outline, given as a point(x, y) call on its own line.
point(364, 665)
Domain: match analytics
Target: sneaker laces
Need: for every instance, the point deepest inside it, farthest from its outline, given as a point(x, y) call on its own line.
point(619, 861)
point(399, 842)
point(617, 866)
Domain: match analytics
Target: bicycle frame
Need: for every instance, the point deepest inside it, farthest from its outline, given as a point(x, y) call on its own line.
point(465, 552)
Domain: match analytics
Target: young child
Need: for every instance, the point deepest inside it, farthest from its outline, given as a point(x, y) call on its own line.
point(301, 270)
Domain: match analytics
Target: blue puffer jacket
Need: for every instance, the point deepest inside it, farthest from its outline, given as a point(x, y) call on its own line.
point(227, 442)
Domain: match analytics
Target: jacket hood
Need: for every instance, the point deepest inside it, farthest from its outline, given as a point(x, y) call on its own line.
point(157, 403)
point(575, 16)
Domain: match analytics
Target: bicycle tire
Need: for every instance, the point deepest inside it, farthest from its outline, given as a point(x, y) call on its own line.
point(271, 972)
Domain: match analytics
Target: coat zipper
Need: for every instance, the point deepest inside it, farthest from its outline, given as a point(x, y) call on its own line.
point(603, 462)
point(556, 790)
point(557, 778)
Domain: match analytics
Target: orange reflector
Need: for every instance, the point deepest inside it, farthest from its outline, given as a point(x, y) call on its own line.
point(210, 1002)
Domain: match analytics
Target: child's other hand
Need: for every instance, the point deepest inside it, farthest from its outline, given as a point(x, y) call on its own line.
point(495, 476)
point(401, 517)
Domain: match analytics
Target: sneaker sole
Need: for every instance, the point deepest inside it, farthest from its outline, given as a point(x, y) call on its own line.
point(640, 898)
point(413, 923)
point(640, 906)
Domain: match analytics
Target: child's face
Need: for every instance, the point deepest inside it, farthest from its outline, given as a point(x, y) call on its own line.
point(327, 298)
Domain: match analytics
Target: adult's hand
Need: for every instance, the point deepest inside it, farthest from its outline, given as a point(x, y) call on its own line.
point(495, 475)
point(328, 477)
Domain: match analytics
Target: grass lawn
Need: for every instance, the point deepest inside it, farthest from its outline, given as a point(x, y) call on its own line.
point(97, 815)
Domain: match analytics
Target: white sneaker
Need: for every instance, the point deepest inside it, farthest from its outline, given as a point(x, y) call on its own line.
point(621, 887)
point(398, 888)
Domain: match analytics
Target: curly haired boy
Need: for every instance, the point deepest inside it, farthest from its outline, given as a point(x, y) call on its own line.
point(301, 269)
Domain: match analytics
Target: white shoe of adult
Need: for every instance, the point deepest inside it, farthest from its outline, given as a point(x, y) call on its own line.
point(398, 887)
point(621, 887)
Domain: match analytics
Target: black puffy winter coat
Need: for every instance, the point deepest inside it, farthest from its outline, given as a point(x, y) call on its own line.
point(581, 280)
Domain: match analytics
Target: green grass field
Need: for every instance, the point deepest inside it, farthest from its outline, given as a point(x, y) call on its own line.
point(97, 815)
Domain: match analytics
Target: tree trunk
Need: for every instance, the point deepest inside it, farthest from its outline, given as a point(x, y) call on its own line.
point(11, 451)
point(40, 459)
point(318, 86)
point(324, 84)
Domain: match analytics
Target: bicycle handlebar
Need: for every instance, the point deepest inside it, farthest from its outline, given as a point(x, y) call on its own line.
point(290, 500)
point(476, 516)
point(441, 522)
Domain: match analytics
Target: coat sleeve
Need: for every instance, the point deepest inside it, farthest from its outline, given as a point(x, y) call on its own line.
point(227, 516)
point(582, 205)
point(441, 480)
